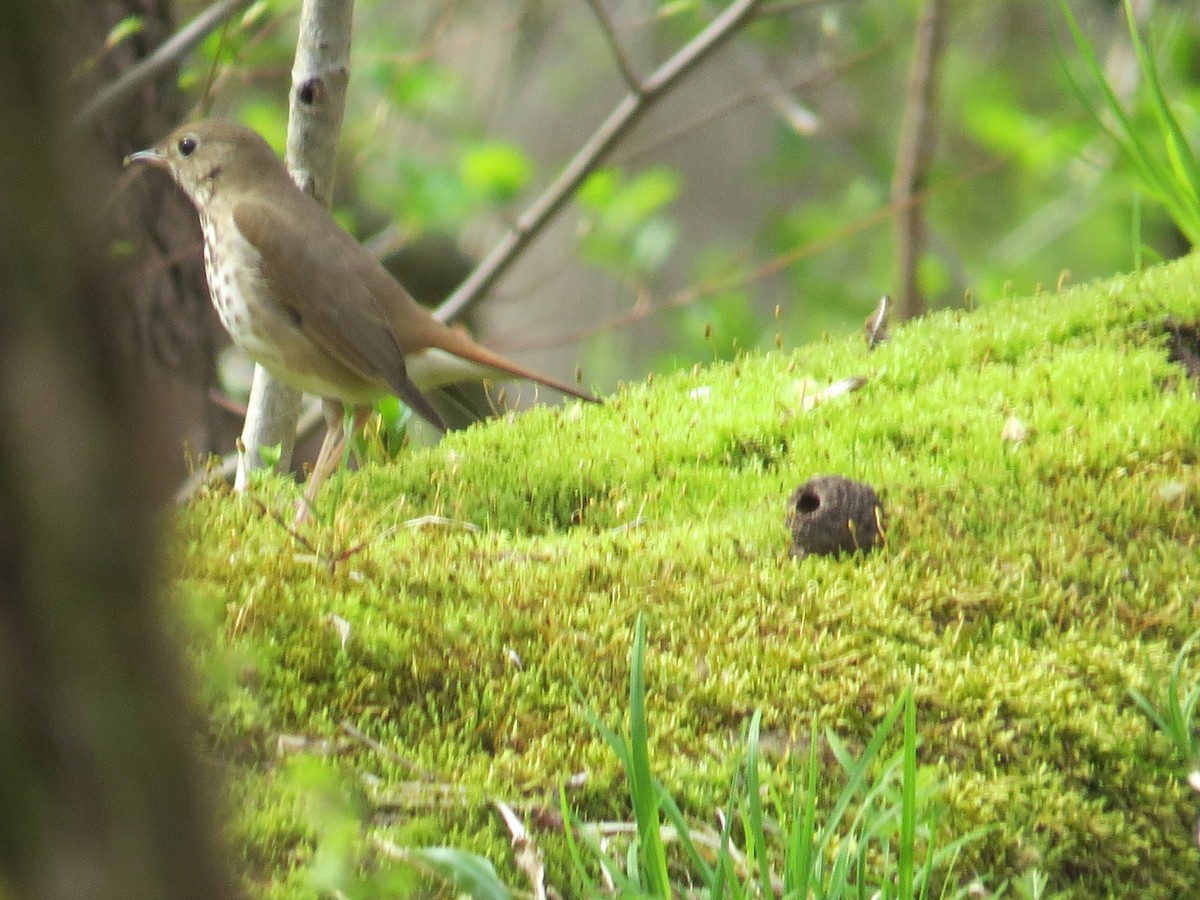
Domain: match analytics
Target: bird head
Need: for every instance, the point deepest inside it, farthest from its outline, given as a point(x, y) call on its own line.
point(205, 157)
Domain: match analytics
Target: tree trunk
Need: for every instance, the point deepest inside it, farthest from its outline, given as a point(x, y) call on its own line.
point(101, 794)
point(166, 321)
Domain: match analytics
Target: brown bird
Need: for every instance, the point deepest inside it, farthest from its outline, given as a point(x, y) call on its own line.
point(303, 299)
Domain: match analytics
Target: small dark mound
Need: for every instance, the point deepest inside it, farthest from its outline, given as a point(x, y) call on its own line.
point(829, 514)
point(1183, 346)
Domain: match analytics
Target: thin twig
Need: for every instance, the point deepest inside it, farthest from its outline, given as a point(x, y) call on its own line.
point(614, 42)
point(169, 53)
point(626, 113)
point(364, 738)
point(527, 856)
point(914, 156)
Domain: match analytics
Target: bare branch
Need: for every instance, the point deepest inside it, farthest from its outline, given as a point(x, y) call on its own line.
point(618, 49)
point(171, 51)
point(914, 156)
point(531, 223)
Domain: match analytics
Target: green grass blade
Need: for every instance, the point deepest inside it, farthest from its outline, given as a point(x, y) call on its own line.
point(1176, 183)
point(754, 806)
point(724, 872)
point(908, 806)
point(699, 866)
point(1096, 70)
point(876, 819)
point(1151, 711)
point(1175, 715)
point(471, 874)
point(801, 845)
point(573, 846)
point(1181, 711)
point(1187, 166)
point(1182, 162)
point(926, 876)
point(618, 743)
point(633, 867)
point(1154, 177)
point(642, 790)
point(857, 773)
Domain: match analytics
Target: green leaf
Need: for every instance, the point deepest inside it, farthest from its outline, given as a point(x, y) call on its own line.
point(425, 195)
point(624, 229)
point(126, 28)
point(598, 189)
point(424, 87)
point(642, 787)
point(653, 243)
point(122, 249)
point(650, 192)
point(470, 873)
point(675, 7)
point(496, 170)
point(269, 120)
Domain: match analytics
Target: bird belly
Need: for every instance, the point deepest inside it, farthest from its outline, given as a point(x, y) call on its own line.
point(261, 327)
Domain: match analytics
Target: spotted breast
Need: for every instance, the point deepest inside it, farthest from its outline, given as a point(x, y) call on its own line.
point(264, 330)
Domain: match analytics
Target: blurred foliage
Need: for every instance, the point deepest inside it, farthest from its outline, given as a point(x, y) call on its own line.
point(1161, 156)
point(623, 227)
point(762, 184)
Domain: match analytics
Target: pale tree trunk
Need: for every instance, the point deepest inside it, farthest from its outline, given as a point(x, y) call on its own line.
point(318, 98)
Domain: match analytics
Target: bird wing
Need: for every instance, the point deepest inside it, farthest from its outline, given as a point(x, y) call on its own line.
point(312, 275)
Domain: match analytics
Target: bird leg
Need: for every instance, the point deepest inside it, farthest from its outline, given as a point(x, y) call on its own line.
point(333, 448)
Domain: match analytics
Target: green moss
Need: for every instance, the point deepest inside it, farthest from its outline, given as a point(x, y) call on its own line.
point(1023, 589)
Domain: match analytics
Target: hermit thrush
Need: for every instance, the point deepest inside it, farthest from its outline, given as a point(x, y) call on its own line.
point(300, 295)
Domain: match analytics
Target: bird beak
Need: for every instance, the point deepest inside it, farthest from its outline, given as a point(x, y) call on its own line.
point(151, 157)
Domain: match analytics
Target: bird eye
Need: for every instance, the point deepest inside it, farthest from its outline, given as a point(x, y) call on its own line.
point(187, 146)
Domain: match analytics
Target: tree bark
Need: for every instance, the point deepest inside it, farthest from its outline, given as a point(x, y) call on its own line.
point(101, 794)
point(166, 320)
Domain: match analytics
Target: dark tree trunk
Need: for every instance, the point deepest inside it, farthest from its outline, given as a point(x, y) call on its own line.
point(166, 322)
point(100, 794)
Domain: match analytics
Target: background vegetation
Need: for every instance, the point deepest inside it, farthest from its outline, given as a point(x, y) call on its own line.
point(756, 198)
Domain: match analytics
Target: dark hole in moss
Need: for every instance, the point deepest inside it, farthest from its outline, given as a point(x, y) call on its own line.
point(808, 502)
point(1183, 345)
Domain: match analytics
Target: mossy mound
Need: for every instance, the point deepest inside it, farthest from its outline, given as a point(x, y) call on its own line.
point(1024, 588)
